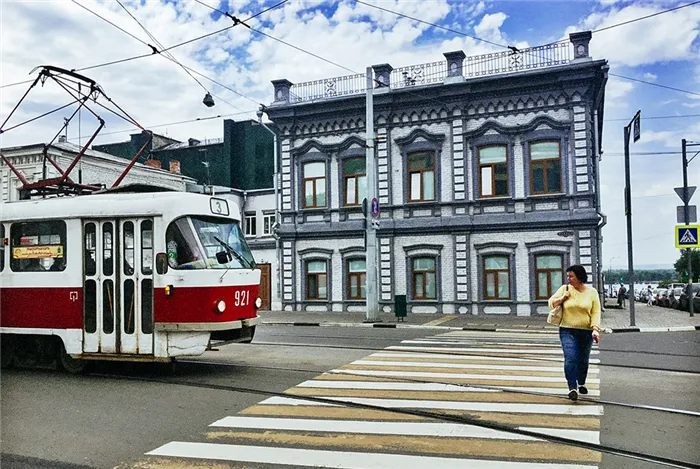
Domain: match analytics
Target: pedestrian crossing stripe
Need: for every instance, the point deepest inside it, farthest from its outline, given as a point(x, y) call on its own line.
point(317, 423)
point(687, 236)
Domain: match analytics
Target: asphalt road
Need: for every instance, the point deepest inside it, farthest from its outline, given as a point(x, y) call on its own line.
point(52, 419)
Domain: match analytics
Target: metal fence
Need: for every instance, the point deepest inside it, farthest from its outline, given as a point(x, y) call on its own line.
point(495, 63)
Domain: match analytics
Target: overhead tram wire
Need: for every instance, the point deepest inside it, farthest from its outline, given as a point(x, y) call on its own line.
point(645, 17)
point(557, 42)
point(198, 119)
point(162, 48)
point(184, 66)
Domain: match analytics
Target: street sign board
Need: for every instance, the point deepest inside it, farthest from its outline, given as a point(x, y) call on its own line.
point(687, 236)
point(685, 195)
point(636, 127)
point(374, 208)
point(692, 214)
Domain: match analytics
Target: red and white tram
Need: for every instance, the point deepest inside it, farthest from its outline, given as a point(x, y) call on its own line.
point(124, 276)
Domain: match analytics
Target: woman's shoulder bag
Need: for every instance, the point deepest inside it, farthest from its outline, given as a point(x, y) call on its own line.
point(555, 315)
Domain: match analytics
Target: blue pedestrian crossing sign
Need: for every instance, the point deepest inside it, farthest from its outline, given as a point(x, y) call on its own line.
point(687, 236)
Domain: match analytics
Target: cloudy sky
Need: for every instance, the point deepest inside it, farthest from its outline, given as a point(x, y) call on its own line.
point(663, 50)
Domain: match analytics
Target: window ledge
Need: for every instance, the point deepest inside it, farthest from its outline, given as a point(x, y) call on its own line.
point(548, 194)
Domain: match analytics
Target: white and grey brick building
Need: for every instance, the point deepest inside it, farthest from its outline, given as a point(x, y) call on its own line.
point(487, 174)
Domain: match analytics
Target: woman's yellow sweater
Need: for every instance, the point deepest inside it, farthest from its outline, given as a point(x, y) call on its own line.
point(581, 310)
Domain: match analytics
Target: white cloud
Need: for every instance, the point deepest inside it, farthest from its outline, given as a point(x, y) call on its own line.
point(658, 39)
point(650, 76)
point(616, 92)
point(489, 26)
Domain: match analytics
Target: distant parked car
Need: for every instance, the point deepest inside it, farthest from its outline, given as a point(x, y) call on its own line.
point(661, 297)
point(683, 298)
point(673, 297)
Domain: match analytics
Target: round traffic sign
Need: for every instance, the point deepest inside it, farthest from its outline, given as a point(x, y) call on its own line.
point(374, 207)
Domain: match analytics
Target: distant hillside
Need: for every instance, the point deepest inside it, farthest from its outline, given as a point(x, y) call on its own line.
point(644, 266)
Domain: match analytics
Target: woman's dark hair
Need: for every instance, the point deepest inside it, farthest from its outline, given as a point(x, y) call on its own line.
point(579, 272)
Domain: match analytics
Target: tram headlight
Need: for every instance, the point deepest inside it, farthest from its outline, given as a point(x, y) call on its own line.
point(258, 303)
point(219, 306)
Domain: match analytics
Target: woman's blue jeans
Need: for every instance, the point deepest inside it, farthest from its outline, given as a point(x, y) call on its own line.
point(576, 344)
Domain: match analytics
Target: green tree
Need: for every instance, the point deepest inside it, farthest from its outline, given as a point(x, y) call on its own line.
point(681, 264)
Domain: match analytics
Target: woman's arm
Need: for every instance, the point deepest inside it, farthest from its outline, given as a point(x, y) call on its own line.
point(558, 298)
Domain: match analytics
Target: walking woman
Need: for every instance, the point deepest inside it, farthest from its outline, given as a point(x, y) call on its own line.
point(580, 326)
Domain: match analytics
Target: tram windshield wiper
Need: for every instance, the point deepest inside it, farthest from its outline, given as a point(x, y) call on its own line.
point(245, 262)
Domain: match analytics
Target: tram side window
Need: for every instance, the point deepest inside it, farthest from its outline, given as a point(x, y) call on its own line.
point(2, 248)
point(38, 246)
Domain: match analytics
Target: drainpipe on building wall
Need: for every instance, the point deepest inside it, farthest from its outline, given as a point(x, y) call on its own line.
point(604, 218)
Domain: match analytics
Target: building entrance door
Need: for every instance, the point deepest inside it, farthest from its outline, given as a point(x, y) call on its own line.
point(265, 285)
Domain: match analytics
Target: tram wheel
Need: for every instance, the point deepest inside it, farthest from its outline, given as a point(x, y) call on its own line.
point(7, 352)
point(70, 364)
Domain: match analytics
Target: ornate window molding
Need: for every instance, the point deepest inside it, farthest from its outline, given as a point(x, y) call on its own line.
point(419, 141)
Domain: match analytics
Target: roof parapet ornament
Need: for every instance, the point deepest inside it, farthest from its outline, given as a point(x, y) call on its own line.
point(580, 41)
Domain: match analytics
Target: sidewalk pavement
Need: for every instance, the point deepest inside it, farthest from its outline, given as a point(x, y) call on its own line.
point(647, 319)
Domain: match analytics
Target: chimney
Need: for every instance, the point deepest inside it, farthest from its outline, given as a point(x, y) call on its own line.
point(153, 164)
point(62, 139)
point(193, 142)
point(175, 166)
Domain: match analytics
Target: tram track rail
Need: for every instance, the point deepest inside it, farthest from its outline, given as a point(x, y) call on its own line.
point(666, 410)
point(447, 352)
point(458, 419)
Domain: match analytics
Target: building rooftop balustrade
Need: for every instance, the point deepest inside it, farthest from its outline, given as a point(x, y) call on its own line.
point(456, 68)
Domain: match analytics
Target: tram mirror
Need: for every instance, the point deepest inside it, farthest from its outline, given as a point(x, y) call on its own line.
point(162, 263)
point(222, 257)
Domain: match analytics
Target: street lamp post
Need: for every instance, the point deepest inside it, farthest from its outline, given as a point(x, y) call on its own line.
point(275, 182)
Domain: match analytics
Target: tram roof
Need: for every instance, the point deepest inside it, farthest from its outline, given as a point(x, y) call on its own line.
point(114, 205)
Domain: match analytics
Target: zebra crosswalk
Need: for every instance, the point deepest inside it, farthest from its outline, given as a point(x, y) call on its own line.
point(401, 407)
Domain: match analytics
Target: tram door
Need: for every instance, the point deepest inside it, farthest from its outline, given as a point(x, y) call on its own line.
point(118, 286)
point(136, 280)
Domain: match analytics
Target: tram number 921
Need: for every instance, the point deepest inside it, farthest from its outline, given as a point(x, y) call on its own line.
point(242, 298)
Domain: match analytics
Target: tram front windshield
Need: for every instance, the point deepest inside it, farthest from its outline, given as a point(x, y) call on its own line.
point(197, 242)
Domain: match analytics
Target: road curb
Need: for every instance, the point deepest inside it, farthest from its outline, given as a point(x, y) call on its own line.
point(489, 328)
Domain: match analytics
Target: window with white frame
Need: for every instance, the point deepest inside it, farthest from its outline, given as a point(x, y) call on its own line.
point(545, 167)
point(268, 223)
point(355, 181)
point(317, 280)
point(496, 277)
point(357, 279)
point(423, 278)
point(250, 225)
point(493, 171)
point(314, 184)
point(421, 176)
point(549, 275)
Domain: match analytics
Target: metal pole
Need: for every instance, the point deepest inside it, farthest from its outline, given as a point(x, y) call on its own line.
point(686, 210)
point(628, 213)
point(371, 233)
point(275, 182)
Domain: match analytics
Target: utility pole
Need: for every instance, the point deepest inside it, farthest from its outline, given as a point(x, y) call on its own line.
point(628, 205)
point(687, 194)
point(372, 314)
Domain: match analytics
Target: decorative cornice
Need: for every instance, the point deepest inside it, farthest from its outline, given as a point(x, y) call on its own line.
point(436, 139)
point(352, 251)
point(519, 129)
point(423, 247)
point(495, 244)
point(311, 252)
point(538, 244)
